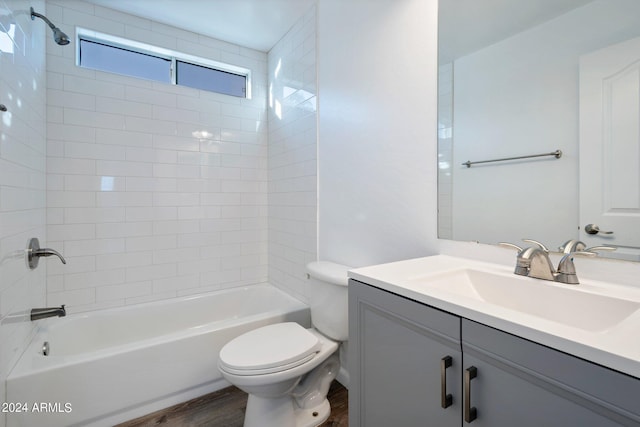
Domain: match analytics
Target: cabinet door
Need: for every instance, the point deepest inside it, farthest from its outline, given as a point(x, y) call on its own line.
point(398, 353)
point(505, 398)
point(521, 383)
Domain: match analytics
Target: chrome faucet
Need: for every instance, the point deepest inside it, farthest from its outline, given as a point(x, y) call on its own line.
point(43, 313)
point(535, 262)
point(541, 266)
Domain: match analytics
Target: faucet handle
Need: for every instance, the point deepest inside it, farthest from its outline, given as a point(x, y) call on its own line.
point(535, 242)
point(572, 246)
point(566, 268)
point(34, 252)
point(585, 253)
point(601, 248)
point(523, 260)
point(510, 245)
point(566, 262)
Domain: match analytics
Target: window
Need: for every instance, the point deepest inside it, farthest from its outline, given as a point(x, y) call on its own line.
point(122, 61)
point(199, 77)
point(116, 55)
point(7, 35)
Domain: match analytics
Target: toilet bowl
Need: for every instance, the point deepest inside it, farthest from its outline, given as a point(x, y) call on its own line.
point(287, 369)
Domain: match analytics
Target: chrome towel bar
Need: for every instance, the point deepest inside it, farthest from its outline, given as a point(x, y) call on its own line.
point(557, 154)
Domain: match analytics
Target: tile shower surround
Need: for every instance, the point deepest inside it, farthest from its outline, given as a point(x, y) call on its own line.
point(292, 157)
point(22, 178)
point(153, 190)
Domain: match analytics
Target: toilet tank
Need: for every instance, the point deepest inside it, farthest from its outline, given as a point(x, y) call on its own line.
point(328, 298)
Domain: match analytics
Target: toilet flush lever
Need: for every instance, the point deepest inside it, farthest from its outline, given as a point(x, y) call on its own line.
point(34, 252)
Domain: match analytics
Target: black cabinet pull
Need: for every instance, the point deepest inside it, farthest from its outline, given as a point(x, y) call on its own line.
point(446, 400)
point(470, 412)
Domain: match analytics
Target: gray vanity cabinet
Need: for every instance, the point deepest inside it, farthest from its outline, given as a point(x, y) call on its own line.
point(403, 354)
point(495, 379)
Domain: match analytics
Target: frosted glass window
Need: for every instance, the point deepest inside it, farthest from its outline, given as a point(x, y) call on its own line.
point(199, 77)
point(122, 61)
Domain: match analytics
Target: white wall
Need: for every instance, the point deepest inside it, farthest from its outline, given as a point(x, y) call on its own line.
point(22, 177)
point(377, 77)
point(141, 204)
point(292, 156)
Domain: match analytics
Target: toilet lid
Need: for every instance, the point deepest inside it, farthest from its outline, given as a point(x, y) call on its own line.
point(269, 349)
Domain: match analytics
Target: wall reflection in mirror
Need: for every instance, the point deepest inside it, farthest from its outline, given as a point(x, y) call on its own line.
point(524, 78)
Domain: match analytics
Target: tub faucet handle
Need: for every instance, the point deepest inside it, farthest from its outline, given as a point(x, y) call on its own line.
point(34, 252)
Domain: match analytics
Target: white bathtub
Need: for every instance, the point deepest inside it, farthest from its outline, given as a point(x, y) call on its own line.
point(113, 365)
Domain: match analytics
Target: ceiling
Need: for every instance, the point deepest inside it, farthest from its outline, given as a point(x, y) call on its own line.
point(257, 24)
point(469, 25)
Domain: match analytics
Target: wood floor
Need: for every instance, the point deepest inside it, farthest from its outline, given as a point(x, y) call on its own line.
point(225, 408)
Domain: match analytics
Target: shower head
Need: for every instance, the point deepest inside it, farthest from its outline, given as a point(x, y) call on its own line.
point(60, 37)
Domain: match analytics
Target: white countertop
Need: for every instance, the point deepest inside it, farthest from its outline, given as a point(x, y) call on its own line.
point(616, 347)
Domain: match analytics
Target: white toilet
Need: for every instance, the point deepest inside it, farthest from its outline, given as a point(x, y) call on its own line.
point(287, 369)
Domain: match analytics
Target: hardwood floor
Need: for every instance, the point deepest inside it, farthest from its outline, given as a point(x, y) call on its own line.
point(225, 408)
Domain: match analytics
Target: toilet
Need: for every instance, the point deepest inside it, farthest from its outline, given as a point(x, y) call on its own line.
point(287, 369)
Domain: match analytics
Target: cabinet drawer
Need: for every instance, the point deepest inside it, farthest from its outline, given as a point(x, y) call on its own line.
point(604, 390)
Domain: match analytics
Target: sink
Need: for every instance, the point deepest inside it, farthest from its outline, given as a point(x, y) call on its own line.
point(559, 303)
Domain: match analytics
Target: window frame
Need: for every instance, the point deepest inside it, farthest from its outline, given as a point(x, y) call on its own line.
point(160, 52)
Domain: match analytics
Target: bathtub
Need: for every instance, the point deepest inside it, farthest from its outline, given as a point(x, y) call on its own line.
point(113, 365)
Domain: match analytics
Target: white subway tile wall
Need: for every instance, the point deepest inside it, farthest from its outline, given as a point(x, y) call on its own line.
point(22, 176)
point(292, 157)
point(154, 191)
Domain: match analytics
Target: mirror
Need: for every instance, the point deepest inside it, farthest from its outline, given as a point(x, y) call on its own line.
point(517, 79)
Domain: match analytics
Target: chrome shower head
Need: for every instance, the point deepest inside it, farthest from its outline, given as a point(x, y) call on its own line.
point(60, 37)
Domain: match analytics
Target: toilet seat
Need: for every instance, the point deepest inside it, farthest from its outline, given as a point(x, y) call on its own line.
point(269, 349)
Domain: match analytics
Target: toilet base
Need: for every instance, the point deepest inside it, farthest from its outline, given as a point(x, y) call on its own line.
point(280, 412)
point(312, 417)
point(269, 412)
point(305, 406)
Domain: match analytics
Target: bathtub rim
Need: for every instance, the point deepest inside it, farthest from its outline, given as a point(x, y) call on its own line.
point(41, 363)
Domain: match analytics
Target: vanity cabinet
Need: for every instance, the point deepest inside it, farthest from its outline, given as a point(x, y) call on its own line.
point(401, 353)
point(406, 357)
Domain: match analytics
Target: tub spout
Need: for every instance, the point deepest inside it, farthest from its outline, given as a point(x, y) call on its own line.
point(43, 313)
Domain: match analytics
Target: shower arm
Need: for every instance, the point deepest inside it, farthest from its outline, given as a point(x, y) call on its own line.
point(44, 18)
point(58, 35)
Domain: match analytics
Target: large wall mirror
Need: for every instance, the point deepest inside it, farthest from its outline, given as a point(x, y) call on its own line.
point(557, 80)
